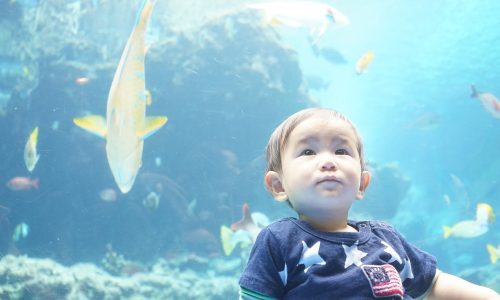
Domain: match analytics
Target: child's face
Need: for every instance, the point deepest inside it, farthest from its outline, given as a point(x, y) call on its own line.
point(321, 170)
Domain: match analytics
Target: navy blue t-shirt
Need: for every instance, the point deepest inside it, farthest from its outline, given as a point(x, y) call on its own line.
point(291, 260)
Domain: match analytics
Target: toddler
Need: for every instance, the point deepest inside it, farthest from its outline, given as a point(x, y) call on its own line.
point(315, 163)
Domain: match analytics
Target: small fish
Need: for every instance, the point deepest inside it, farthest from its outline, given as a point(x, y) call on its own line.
point(55, 125)
point(329, 54)
point(191, 207)
point(152, 201)
point(472, 228)
point(108, 195)
point(247, 223)
point(244, 232)
point(22, 184)
point(426, 121)
point(314, 16)
point(30, 154)
point(465, 229)
point(494, 252)
point(489, 101)
point(20, 231)
point(447, 199)
point(231, 161)
point(460, 192)
point(82, 80)
point(363, 62)
point(126, 126)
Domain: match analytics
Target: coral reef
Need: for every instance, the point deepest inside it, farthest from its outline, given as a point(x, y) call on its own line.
point(116, 264)
point(29, 278)
point(222, 85)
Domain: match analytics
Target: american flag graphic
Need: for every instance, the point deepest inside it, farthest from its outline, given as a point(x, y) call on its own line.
point(384, 281)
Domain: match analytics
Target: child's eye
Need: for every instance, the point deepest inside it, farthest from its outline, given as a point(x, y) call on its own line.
point(341, 152)
point(307, 152)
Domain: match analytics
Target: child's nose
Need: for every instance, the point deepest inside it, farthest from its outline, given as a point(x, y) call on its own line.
point(328, 164)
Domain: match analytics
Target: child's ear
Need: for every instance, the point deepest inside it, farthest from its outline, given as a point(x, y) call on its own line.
point(365, 181)
point(273, 184)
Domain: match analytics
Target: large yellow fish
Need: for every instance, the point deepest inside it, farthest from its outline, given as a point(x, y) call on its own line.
point(30, 154)
point(315, 16)
point(126, 125)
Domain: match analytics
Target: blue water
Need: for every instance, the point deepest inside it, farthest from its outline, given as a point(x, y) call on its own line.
point(221, 113)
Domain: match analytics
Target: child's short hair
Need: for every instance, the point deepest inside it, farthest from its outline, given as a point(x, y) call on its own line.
point(279, 138)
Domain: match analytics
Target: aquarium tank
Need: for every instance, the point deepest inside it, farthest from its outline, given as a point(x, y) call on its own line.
point(133, 134)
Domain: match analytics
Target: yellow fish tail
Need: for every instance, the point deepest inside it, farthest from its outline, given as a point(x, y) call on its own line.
point(493, 253)
point(447, 231)
point(225, 237)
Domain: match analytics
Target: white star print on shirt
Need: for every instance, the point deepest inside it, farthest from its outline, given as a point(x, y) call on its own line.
point(284, 275)
point(353, 255)
point(310, 256)
point(406, 273)
point(394, 255)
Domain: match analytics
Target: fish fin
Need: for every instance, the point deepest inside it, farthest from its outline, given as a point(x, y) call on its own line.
point(493, 253)
point(225, 237)
point(475, 93)
point(151, 125)
point(37, 157)
point(246, 221)
point(92, 123)
point(148, 97)
point(447, 231)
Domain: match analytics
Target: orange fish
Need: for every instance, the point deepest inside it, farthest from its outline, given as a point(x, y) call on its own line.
point(489, 101)
point(363, 62)
point(247, 223)
point(22, 184)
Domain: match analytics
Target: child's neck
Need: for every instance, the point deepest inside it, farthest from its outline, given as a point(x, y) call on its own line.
point(330, 225)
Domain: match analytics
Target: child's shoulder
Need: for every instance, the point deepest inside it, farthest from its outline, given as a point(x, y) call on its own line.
point(377, 225)
point(282, 224)
point(279, 230)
